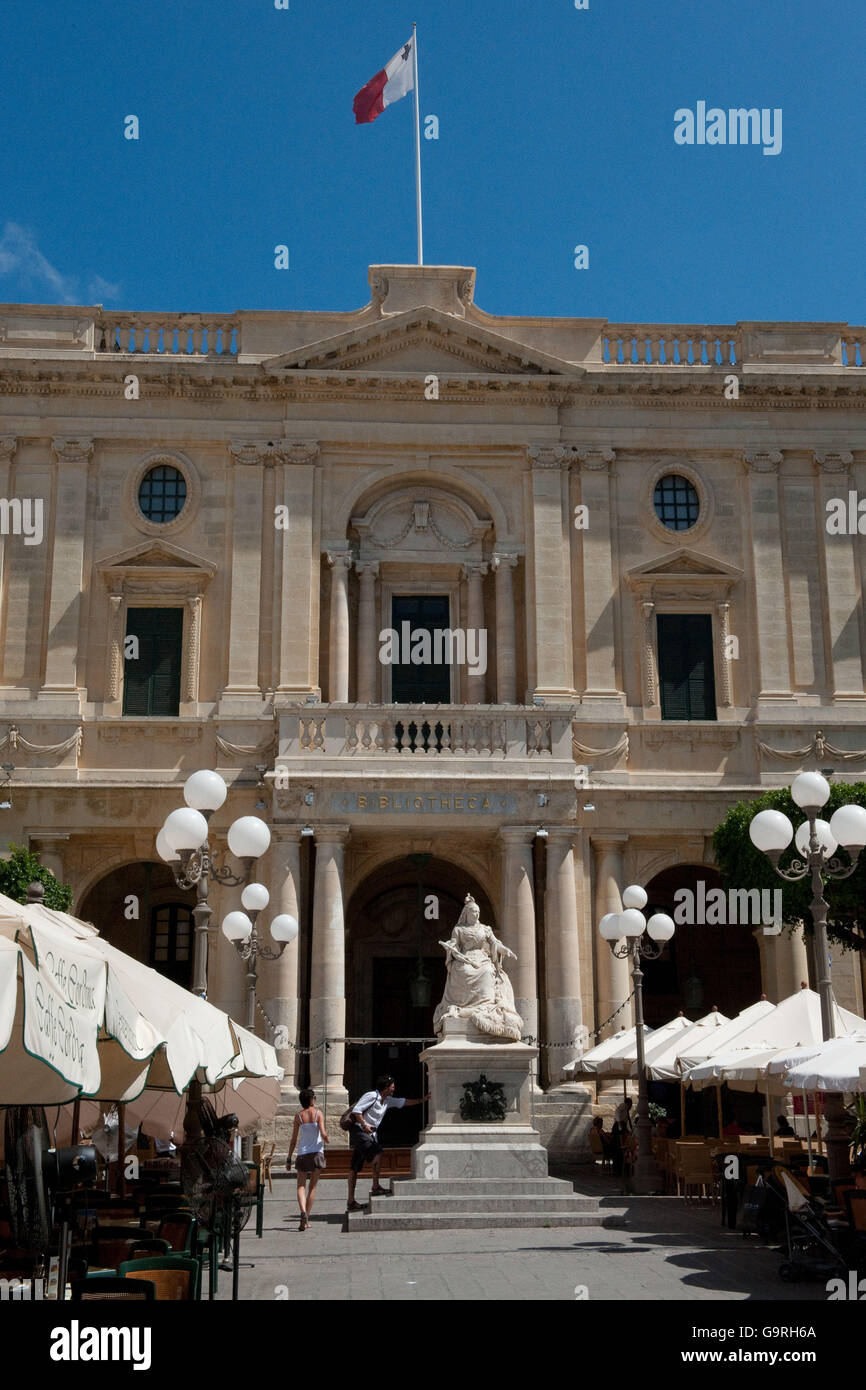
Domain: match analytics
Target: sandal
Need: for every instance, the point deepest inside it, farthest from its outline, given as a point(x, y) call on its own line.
point(380, 1192)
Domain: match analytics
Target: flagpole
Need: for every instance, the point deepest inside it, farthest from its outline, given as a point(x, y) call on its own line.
point(417, 146)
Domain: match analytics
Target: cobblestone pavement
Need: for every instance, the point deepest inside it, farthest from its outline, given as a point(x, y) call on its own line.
point(675, 1252)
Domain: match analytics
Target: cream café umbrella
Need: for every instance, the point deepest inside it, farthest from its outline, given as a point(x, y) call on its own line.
point(598, 1056)
point(48, 1027)
point(834, 1066)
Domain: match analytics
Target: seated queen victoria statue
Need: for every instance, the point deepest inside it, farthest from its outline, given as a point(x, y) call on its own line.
point(477, 987)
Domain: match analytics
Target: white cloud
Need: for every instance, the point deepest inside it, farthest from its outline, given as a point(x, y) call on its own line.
point(21, 260)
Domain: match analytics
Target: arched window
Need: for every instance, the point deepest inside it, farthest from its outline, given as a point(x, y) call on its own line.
point(171, 949)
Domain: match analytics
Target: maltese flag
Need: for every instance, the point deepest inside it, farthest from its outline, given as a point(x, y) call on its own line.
point(394, 81)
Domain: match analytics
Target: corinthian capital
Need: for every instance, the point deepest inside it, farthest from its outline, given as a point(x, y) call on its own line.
point(340, 559)
point(72, 450)
point(8, 445)
point(552, 455)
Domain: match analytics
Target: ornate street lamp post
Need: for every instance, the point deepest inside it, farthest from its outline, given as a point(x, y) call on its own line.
point(183, 845)
point(242, 932)
point(816, 841)
point(631, 936)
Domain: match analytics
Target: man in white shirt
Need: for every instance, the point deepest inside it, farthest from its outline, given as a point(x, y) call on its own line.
point(367, 1116)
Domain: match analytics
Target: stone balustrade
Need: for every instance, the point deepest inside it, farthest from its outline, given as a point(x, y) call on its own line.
point(170, 335)
point(671, 345)
point(428, 731)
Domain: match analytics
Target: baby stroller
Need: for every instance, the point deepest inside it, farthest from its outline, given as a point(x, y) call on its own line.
point(811, 1251)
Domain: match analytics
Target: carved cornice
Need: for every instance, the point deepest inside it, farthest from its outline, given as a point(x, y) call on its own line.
point(72, 450)
point(762, 460)
point(828, 461)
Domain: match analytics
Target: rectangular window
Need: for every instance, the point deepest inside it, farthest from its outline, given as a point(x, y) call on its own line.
point(685, 651)
point(151, 668)
point(427, 683)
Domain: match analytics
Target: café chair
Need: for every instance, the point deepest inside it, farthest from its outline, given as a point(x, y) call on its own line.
point(175, 1277)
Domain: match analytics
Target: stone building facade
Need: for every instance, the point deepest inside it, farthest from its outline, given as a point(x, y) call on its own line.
point(632, 515)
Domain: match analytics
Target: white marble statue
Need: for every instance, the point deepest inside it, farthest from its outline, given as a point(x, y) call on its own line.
point(477, 987)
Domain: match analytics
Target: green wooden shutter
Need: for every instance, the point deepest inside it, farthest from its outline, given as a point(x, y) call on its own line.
point(685, 656)
point(151, 682)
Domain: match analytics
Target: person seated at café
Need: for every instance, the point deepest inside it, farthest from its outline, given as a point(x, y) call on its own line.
point(783, 1128)
point(604, 1137)
point(733, 1129)
point(858, 1170)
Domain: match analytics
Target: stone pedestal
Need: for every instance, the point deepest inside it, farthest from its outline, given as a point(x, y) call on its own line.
point(472, 1174)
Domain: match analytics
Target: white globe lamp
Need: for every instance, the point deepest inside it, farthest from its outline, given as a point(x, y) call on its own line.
point(205, 791)
point(237, 926)
point(609, 927)
point(255, 897)
point(826, 838)
point(634, 896)
point(284, 927)
point(810, 790)
point(771, 832)
point(660, 927)
point(848, 824)
point(248, 837)
point(184, 829)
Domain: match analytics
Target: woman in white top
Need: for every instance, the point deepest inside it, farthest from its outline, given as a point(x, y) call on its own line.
point(309, 1135)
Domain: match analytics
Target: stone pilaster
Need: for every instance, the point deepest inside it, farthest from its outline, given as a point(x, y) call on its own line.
point(768, 571)
point(506, 668)
point(297, 567)
point(246, 570)
point(551, 578)
point(72, 457)
point(599, 580)
point(840, 578)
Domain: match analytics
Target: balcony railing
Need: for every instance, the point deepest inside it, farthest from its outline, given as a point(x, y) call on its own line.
point(425, 731)
point(671, 345)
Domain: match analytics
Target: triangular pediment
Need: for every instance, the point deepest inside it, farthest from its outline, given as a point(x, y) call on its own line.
point(422, 340)
point(685, 561)
point(155, 555)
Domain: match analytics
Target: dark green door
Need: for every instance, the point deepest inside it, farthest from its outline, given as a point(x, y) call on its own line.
point(686, 680)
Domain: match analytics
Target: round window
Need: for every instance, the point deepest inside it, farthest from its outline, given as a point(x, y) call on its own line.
point(676, 502)
point(162, 493)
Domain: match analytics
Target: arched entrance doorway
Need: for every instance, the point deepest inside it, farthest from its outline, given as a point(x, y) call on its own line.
point(395, 973)
point(703, 965)
point(139, 909)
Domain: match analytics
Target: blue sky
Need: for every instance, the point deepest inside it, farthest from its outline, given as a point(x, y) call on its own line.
point(556, 129)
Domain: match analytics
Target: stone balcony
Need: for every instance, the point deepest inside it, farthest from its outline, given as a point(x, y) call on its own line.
point(400, 738)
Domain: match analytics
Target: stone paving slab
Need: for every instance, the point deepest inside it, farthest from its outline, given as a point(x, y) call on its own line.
point(675, 1252)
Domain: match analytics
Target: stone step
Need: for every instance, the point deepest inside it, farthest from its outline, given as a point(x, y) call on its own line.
point(467, 1220)
point(493, 1187)
point(430, 1203)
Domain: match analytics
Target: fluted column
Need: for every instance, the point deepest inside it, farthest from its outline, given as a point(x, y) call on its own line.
point(563, 1010)
point(613, 985)
point(506, 671)
point(791, 961)
point(279, 978)
point(340, 562)
point(474, 571)
point(840, 577)
point(517, 928)
point(328, 968)
point(67, 565)
point(551, 572)
point(771, 607)
point(368, 646)
point(599, 580)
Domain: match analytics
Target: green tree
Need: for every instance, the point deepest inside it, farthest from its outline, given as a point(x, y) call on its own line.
point(743, 866)
point(23, 868)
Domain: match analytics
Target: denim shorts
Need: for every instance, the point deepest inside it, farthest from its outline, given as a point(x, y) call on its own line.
point(365, 1147)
